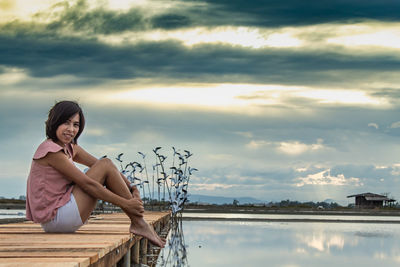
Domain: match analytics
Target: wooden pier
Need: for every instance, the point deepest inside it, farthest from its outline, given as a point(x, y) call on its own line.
point(104, 241)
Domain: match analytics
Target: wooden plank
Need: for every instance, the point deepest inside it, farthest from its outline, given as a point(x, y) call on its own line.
point(99, 249)
point(74, 238)
point(44, 262)
point(109, 246)
point(92, 256)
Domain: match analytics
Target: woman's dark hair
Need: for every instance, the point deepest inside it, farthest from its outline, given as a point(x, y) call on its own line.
point(59, 114)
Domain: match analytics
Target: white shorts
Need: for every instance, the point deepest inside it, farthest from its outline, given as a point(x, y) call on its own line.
point(67, 219)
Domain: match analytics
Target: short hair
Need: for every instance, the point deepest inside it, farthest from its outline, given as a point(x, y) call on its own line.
point(59, 114)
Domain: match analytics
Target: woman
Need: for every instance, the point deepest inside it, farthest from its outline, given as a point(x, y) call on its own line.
point(60, 196)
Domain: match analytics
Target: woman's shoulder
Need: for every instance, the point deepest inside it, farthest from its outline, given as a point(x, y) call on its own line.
point(46, 147)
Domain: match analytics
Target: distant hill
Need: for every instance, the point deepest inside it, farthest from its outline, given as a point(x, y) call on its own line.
point(222, 200)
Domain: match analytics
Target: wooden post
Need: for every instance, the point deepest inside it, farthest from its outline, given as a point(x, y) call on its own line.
point(126, 262)
point(143, 250)
point(135, 255)
point(157, 227)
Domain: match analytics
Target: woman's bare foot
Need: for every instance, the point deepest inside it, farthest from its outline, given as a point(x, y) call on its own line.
point(140, 227)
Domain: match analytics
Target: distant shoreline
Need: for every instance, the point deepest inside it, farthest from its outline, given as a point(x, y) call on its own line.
point(261, 210)
point(12, 206)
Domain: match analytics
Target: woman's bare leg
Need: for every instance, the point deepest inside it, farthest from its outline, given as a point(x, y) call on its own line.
point(105, 172)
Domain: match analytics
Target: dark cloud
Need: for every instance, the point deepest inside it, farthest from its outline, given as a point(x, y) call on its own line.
point(272, 13)
point(392, 94)
point(46, 56)
point(45, 51)
point(170, 21)
point(80, 18)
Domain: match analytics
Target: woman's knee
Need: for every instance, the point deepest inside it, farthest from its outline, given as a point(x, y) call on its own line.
point(105, 163)
point(100, 169)
point(107, 166)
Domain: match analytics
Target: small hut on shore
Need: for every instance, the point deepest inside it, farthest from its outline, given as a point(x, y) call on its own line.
point(370, 200)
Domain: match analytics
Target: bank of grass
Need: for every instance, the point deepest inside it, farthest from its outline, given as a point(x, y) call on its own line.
point(12, 201)
point(12, 204)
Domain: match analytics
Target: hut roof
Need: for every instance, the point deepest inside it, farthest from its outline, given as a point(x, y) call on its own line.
point(373, 197)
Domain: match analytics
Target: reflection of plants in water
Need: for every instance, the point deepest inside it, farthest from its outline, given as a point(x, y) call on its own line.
point(174, 254)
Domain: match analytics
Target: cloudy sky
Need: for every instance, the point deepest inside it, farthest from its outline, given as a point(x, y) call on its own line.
point(277, 100)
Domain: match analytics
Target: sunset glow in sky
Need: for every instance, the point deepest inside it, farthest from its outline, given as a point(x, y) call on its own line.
point(277, 100)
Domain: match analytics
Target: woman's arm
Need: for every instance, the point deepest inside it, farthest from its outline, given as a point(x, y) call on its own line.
point(83, 157)
point(60, 162)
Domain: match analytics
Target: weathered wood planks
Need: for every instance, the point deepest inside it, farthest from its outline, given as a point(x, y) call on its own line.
point(103, 241)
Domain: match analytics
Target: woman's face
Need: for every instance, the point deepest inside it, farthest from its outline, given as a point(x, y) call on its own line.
point(67, 131)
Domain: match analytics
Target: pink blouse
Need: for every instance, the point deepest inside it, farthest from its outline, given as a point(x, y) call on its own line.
point(47, 189)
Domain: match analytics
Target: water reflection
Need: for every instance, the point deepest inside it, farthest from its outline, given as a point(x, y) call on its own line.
point(174, 254)
point(11, 213)
point(322, 241)
point(235, 243)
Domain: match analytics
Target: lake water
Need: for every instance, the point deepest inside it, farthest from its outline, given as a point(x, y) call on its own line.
point(11, 213)
point(284, 244)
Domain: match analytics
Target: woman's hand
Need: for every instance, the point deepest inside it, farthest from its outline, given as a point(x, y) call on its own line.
point(133, 207)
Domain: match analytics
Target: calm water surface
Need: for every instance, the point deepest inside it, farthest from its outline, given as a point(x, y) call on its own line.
point(5, 214)
point(288, 244)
